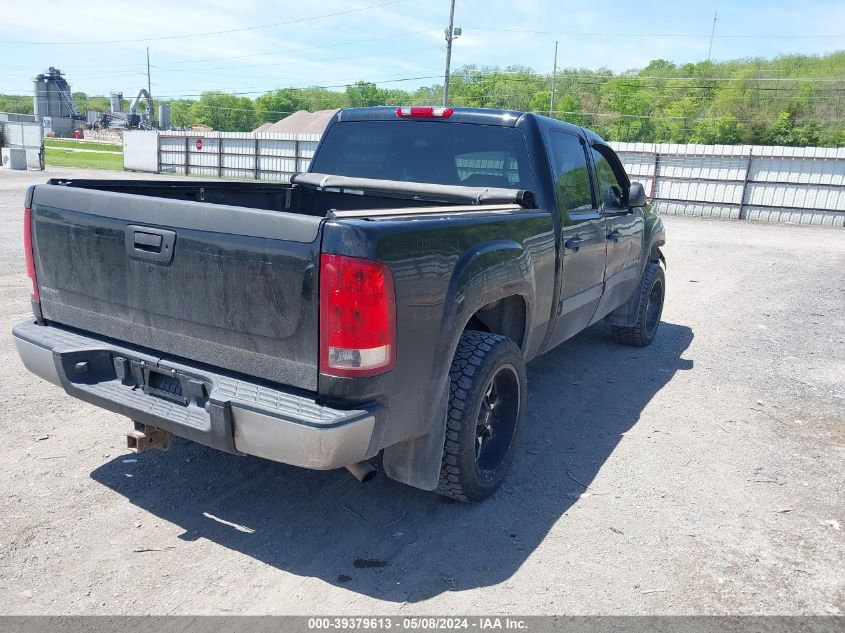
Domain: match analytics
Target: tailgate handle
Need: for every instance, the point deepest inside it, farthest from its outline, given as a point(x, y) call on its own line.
point(146, 242)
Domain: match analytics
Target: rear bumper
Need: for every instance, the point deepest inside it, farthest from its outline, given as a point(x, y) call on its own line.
point(216, 408)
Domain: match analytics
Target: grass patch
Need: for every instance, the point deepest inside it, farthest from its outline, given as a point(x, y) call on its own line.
point(70, 143)
point(55, 157)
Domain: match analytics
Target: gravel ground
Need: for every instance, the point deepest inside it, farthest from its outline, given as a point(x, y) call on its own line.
point(702, 475)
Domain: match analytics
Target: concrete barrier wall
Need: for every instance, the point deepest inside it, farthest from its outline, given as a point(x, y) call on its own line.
point(803, 185)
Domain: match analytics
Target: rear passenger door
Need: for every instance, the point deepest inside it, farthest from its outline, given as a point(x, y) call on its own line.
point(624, 227)
point(582, 237)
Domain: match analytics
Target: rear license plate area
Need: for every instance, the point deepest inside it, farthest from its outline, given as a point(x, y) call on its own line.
point(166, 385)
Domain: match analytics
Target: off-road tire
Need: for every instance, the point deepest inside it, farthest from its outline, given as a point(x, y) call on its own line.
point(479, 358)
point(648, 321)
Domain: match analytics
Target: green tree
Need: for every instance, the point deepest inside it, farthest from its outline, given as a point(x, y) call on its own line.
point(364, 94)
point(783, 131)
point(632, 102)
point(181, 113)
point(225, 112)
point(756, 101)
point(725, 130)
point(97, 103)
point(18, 104)
point(272, 106)
point(567, 107)
point(322, 99)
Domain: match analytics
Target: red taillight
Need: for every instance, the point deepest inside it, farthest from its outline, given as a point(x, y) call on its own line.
point(30, 260)
point(425, 112)
point(357, 317)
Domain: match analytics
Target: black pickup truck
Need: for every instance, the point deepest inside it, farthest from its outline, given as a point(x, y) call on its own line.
point(384, 302)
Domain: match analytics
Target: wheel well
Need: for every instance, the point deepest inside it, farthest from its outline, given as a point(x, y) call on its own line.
point(657, 256)
point(656, 253)
point(505, 316)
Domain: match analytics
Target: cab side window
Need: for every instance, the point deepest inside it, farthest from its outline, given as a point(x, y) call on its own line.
point(572, 184)
point(610, 189)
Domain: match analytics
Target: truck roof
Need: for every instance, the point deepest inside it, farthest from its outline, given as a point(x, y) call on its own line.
point(480, 116)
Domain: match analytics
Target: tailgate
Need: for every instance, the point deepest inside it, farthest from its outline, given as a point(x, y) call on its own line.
point(229, 286)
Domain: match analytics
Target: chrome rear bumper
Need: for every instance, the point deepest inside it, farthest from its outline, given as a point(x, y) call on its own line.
point(208, 406)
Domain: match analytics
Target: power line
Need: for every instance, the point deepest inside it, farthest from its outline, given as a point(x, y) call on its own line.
point(543, 112)
point(659, 89)
point(660, 116)
point(271, 65)
point(222, 32)
point(303, 87)
point(299, 61)
point(306, 48)
point(523, 75)
point(122, 67)
point(531, 74)
point(679, 35)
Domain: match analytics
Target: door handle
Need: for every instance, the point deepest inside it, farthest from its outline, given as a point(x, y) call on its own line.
point(573, 243)
point(152, 244)
point(614, 235)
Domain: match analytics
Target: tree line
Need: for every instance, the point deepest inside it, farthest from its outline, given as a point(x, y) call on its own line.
point(789, 100)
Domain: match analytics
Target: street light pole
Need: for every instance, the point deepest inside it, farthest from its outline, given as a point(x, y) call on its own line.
point(712, 34)
point(149, 88)
point(450, 35)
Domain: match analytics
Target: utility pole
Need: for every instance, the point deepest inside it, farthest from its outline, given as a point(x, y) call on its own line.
point(149, 88)
point(451, 33)
point(712, 33)
point(554, 84)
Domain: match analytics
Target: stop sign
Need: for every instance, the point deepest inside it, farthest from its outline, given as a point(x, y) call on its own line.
point(199, 143)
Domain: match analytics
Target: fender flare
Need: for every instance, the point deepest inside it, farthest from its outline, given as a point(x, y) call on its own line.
point(488, 272)
point(626, 315)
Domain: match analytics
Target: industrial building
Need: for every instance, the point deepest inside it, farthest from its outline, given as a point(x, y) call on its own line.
point(53, 105)
point(55, 109)
point(131, 119)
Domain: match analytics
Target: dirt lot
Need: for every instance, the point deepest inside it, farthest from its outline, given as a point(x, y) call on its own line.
point(701, 475)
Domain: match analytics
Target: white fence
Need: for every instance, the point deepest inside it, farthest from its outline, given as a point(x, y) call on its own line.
point(27, 136)
point(258, 156)
point(804, 185)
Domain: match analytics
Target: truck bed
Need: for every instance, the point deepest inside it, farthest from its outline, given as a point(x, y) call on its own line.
point(223, 273)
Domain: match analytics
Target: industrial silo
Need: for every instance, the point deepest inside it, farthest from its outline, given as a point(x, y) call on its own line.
point(41, 104)
point(164, 116)
point(116, 101)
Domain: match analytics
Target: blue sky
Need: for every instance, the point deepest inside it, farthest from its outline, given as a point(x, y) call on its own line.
point(398, 43)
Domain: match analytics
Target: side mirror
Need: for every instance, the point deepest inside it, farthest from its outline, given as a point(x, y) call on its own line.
point(612, 198)
point(636, 195)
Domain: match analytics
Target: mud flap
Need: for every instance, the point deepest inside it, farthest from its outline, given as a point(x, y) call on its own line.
point(416, 462)
point(627, 314)
point(662, 258)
